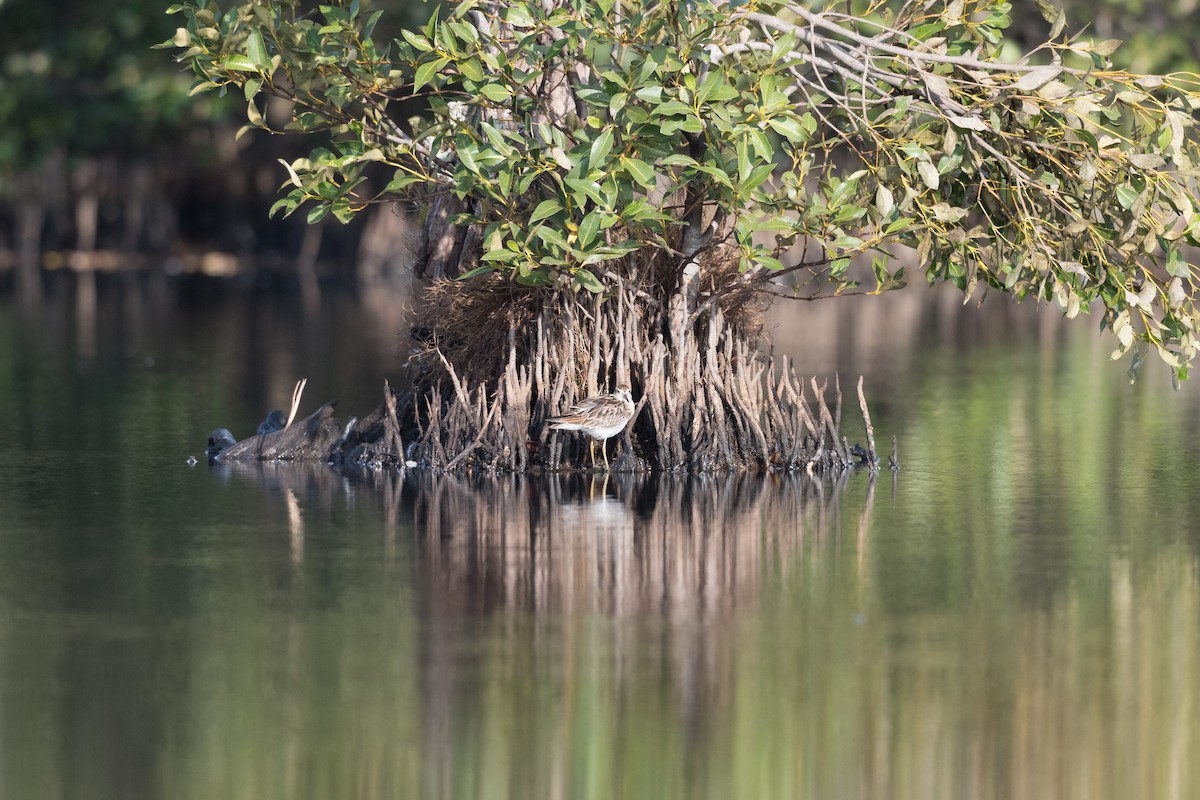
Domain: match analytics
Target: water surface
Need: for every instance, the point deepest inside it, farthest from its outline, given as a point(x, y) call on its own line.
point(1014, 614)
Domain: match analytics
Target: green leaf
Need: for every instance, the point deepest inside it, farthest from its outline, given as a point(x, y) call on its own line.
point(841, 191)
point(745, 165)
point(474, 273)
point(496, 92)
point(601, 147)
point(256, 49)
point(402, 181)
point(518, 16)
point(287, 204)
point(678, 160)
point(923, 32)
point(471, 69)
point(622, 248)
point(497, 140)
point(617, 102)
point(237, 62)
point(788, 127)
point(673, 108)
point(369, 26)
point(589, 189)
point(1127, 196)
point(426, 71)
point(776, 224)
point(719, 174)
point(589, 281)
point(589, 228)
point(318, 213)
point(552, 238)
point(417, 40)
point(536, 277)
point(769, 262)
point(640, 171)
point(640, 211)
point(342, 210)
point(502, 255)
point(714, 80)
point(546, 208)
point(1177, 265)
point(651, 94)
point(467, 156)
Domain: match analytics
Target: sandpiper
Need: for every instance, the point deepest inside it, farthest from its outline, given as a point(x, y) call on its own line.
point(600, 417)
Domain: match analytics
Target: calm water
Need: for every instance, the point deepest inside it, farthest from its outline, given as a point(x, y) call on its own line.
point(1015, 614)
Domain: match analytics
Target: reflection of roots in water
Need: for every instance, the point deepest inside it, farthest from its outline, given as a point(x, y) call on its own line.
point(631, 544)
point(619, 544)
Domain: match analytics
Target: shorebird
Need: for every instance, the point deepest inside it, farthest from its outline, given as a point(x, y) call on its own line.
point(600, 417)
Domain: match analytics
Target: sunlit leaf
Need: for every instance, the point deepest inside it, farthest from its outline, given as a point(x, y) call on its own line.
point(426, 71)
point(640, 171)
point(496, 93)
point(788, 127)
point(256, 49)
point(239, 63)
point(1038, 78)
point(929, 174)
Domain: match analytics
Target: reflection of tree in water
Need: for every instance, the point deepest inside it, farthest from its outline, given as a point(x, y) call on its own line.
point(712, 638)
point(566, 607)
point(631, 545)
point(620, 546)
point(629, 583)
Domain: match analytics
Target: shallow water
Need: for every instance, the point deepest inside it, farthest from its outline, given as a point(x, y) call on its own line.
point(1016, 613)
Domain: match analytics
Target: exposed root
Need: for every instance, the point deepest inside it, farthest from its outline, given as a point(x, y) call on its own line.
point(494, 360)
point(736, 410)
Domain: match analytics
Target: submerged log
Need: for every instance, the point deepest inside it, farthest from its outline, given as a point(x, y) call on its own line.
point(316, 438)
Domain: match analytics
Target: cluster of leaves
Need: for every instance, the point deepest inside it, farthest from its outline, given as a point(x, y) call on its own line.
point(575, 135)
point(655, 107)
point(1058, 177)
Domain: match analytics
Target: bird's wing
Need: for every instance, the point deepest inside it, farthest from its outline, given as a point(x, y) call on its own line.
point(585, 406)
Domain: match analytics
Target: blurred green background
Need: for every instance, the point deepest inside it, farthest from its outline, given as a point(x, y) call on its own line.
point(103, 153)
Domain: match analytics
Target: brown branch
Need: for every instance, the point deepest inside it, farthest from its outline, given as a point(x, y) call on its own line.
point(819, 20)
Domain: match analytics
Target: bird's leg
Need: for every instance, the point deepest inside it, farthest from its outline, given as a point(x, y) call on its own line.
point(604, 449)
point(592, 451)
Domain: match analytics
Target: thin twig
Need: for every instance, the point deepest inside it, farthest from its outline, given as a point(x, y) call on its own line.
point(862, 403)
